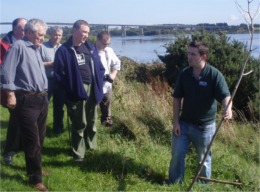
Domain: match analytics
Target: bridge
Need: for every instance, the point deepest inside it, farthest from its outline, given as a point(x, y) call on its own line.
point(124, 27)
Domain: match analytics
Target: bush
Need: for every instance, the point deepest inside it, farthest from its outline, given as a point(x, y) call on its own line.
point(227, 56)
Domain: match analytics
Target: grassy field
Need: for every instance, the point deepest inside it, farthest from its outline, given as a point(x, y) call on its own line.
point(134, 154)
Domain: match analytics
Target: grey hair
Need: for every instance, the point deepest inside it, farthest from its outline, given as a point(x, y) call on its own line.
point(33, 25)
point(55, 29)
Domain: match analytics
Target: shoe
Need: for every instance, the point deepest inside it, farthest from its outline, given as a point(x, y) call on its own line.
point(78, 159)
point(46, 172)
point(8, 159)
point(108, 122)
point(40, 187)
point(167, 182)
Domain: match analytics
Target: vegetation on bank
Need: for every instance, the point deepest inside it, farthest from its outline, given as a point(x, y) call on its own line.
point(134, 154)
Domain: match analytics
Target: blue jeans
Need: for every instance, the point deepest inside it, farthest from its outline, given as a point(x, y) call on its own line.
point(200, 136)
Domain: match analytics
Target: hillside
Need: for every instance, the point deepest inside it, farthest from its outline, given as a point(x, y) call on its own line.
point(134, 154)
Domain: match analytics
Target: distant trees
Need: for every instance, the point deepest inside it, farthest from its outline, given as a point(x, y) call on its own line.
point(173, 29)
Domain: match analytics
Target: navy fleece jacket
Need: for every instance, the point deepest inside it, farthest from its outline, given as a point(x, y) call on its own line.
point(66, 72)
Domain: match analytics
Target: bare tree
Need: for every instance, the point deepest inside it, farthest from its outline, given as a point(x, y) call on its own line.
point(249, 14)
point(249, 18)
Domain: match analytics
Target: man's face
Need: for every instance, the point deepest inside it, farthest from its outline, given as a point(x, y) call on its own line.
point(194, 58)
point(80, 35)
point(19, 29)
point(37, 37)
point(55, 37)
point(105, 42)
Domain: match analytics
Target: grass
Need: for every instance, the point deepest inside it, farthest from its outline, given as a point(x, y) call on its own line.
point(134, 154)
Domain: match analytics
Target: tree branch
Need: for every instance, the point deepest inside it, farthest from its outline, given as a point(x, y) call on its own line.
point(219, 181)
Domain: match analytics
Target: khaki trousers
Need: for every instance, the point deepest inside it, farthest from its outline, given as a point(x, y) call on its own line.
point(83, 115)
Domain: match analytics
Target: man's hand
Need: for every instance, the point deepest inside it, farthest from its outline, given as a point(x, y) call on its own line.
point(227, 114)
point(176, 129)
point(113, 74)
point(11, 99)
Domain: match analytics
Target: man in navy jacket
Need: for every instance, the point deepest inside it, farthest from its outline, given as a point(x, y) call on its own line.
point(79, 71)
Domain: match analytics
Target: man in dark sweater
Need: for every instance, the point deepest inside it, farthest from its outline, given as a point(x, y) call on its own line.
point(79, 71)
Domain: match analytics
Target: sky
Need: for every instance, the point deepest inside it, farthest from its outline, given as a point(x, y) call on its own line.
point(134, 12)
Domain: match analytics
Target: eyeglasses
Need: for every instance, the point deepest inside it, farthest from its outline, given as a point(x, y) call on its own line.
point(105, 44)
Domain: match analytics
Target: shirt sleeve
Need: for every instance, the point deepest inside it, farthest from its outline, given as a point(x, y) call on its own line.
point(45, 55)
point(114, 60)
point(221, 89)
point(178, 91)
point(8, 70)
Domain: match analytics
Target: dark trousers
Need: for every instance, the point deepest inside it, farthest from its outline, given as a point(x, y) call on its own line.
point(31, 114)
point(105, 106)
point(58, 97)
point(13, 142)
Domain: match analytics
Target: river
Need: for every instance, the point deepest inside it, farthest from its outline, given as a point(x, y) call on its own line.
point(142, 49)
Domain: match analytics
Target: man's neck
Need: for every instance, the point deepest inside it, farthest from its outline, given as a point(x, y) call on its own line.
point(55, 45)
point(77, 44)
point(13, 38)
point(197, 69)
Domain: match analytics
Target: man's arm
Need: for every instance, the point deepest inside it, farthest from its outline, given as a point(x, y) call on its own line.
point(115, 63)
point(176, 115)
point(48, 64)
point(227, 113)
point(113, 74)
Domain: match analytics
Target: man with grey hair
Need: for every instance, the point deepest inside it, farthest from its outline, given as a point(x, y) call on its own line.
point(24, 80)
point(48, 53)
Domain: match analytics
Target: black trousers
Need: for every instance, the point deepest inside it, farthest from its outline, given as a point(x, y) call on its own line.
point(31, 114)
point(58, 97)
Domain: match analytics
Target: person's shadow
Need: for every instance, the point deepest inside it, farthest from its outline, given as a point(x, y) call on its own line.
point(119, 166)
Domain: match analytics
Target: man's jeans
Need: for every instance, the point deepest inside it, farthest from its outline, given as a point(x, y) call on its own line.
point(200, 136)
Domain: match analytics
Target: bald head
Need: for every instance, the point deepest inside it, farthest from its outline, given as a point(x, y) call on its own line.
point(18, 27)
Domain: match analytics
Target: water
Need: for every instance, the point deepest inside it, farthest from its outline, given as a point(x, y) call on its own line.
point(143, 49)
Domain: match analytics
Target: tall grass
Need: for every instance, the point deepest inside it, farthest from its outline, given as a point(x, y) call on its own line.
point(134, 154)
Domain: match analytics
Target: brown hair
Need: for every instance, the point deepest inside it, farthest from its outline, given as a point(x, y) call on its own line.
point(78, 23)
point(102, 34)
point(202, 46)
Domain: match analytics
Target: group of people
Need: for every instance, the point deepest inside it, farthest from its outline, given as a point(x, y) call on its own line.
point(76, 73)
point(80, 74)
